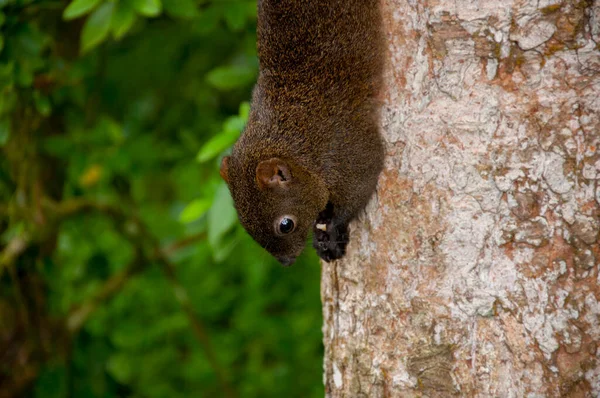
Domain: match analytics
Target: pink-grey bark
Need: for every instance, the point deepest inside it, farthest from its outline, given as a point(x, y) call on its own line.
point(475, 269)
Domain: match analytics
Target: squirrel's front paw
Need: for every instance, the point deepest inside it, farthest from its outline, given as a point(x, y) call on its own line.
point(330, 240)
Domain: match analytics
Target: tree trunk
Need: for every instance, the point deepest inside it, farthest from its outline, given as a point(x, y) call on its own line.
point(474, 271)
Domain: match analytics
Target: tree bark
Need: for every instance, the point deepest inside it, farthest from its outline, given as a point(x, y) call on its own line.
point(474, 271)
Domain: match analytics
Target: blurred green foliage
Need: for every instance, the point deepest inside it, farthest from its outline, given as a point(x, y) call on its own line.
point(123, 269)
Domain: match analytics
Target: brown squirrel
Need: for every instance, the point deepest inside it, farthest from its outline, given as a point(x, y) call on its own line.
point(311, 152)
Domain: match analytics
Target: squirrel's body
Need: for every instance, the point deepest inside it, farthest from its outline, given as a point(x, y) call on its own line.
point(313, 125)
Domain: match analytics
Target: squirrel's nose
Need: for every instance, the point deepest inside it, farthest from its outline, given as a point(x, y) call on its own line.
point(286, 261)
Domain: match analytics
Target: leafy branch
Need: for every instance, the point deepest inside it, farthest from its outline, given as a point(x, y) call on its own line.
point(147, 252)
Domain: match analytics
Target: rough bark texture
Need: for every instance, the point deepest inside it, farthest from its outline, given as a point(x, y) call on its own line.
point(475, 270)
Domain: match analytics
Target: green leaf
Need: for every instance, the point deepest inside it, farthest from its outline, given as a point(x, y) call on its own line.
point(221, 217)
point(24, 76)
point(194, 210)
point(7, 69)
point(42, 104)
point(30, 41)
point(58, 145)
point(96, 27)
point(235, 16)
point(111, 129)
point(4, 131)
point(185, 9)
point(229, 77)
point(222, 250)
point(232, 127)
point(234, 123)
point(208, 20)
point(78, 8)
point(216, 145)
point(123, 19)
point(7, 101)
point(6, 80)
point(148, 8)
point(119, 366)
point(52, 381)
point(244, 110)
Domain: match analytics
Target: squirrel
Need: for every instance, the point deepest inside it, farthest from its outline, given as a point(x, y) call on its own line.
point(310, 154)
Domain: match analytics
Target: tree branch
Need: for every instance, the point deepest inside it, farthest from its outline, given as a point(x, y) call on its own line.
point(79, 315)
point(15, 247)
point(183, 243)
point(141, 239)
point(198, 327)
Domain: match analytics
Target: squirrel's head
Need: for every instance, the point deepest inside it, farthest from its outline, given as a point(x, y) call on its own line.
point(277, 202)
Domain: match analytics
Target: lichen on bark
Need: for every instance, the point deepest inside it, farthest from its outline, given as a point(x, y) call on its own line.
point(475, 269)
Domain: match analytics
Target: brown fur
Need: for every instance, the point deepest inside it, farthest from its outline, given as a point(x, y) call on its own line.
point(314, 110)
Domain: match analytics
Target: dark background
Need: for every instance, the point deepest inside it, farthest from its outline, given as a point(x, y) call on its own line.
point(123, 269)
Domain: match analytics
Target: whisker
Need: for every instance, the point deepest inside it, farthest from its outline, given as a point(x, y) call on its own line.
point(265, 254)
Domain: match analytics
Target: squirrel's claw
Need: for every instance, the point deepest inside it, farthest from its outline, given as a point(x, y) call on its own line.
point(330, 242)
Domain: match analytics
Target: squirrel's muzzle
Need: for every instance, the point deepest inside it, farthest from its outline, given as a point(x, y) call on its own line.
point(286, 261)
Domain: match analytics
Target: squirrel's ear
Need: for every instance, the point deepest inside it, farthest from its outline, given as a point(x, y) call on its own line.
point(225, 169)
point(272, 173)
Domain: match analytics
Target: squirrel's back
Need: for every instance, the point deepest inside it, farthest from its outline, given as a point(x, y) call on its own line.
point(331, 42)
point(321, 65)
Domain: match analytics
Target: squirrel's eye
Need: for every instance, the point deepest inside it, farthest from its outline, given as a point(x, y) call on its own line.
point(286, 225)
